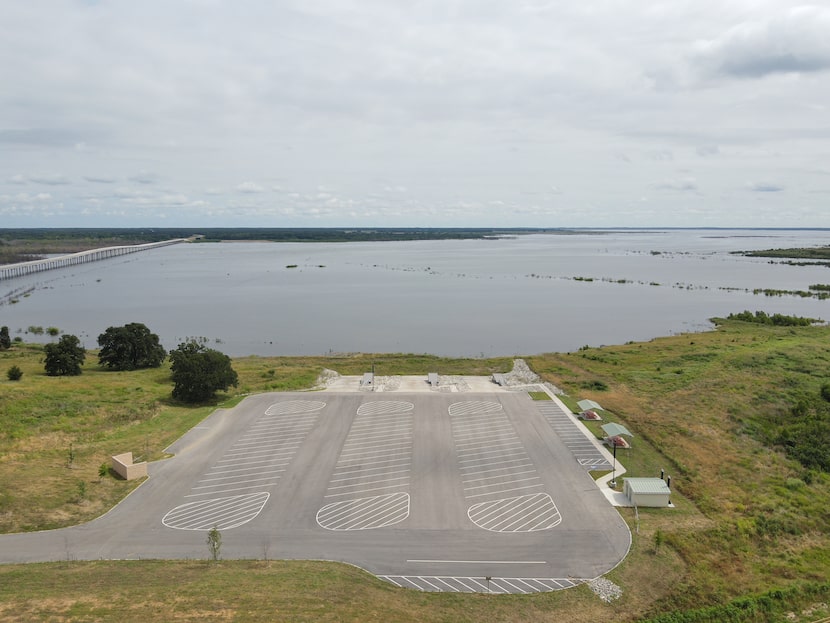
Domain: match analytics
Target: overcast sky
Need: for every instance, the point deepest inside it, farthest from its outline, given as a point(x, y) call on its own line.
point(286, 113)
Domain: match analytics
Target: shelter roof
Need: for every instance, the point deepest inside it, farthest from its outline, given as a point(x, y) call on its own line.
point(612, 430)
point(588, 404)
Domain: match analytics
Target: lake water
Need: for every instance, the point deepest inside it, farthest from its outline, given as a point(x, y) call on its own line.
point(522, 295)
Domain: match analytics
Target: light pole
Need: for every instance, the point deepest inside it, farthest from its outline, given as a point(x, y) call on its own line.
point(613, 482)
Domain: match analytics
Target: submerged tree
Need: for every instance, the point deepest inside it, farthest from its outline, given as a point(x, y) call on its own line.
point(65, 357)
point(130, 347)
point(198, 372)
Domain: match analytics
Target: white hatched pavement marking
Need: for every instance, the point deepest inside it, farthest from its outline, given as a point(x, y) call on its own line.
point(526, 513)
point(366, 513)
point(479, 584)
point(294, 406)
point(583, 450)
point(475, 407)
point(254, 461)
point(487, 443)
point(221, 513)
point(372, 474)
point(384, 407)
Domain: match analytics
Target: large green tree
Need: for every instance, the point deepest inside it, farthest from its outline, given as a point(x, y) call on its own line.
point(130, 347)
point(5, 340)
point(198, 372)
point(65, 357)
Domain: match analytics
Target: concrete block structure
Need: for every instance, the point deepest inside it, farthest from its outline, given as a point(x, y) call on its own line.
point(122, 464)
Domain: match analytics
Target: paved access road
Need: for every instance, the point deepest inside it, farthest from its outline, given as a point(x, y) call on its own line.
point(436, 491)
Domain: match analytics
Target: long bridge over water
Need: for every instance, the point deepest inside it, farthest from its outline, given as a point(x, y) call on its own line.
point(21, 269)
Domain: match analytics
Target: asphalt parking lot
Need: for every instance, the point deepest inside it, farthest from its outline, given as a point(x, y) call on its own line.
point(435, 491)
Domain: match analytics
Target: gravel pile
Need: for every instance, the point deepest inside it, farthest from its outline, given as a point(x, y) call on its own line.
point(327, 377)
point(521, 374)
point(605, 589)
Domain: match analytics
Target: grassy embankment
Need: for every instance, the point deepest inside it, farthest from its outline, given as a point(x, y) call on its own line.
point(748, 519)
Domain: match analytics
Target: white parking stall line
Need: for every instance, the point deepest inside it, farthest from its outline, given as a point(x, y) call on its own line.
point(196, 495)
point(500, 491)
point(477, 430)
point(517, 453)
point(496, 477)
point(389, 442)
point(389, 578)
point(234, 456)
point(491, 449)
point(264, 443)
point(239, 476)
point(373, 454)
point(267, 479)
point(400, 471)
point(372, 482)
point(478, 407)
point(232, 469)
point(511, 481)
point(369, 469)
point(499, 585)
point(495, 469)
point(374, 461)
point(352, 462)
point(335, 495)
point(377, 441)
point(255, 461)
point(492, 463)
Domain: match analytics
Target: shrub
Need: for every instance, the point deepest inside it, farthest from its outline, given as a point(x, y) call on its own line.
point(14, 373)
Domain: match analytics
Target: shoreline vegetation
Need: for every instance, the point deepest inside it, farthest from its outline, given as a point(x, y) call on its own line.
point(738, 416)
point(20, 245)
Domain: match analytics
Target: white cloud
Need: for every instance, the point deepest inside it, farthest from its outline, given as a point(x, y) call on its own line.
point(339, 113)
point(144, 177)
point(793, 40)
point(687, 184)
point(250, 187)
point(764, 187)
point(50, 180)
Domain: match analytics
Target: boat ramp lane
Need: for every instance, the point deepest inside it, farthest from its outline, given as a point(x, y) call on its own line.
point(21, 269)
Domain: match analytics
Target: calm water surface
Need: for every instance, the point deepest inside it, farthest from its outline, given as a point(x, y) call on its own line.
point(469, 298)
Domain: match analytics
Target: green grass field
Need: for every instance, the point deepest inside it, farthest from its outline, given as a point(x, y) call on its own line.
point(750, 525)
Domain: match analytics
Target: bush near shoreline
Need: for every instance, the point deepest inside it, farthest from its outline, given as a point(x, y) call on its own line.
point(751, 521)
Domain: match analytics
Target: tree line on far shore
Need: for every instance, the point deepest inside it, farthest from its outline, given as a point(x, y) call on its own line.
point(197, 372)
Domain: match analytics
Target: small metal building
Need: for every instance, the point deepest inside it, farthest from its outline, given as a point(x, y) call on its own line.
point(647, 492)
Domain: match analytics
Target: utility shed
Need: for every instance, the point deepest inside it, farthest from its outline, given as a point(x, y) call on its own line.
point(647, 492)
